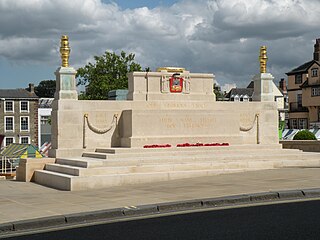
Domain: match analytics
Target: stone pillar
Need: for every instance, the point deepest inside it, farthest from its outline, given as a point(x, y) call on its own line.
point(66, 84)
point(63, 128)
point(263, 87)
point(66, 117)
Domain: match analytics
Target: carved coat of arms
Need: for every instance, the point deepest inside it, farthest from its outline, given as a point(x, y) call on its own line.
point(176, 83)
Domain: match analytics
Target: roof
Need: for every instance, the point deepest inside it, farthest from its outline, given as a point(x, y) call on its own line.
point(251, 85)
point(45, 102)
point(240, 91)
point(302, 68)
point(17, 93)
point(17, 150)
point(306, 84)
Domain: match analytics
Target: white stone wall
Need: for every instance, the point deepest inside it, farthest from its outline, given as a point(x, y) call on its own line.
point(154, 116)
point(143, 123)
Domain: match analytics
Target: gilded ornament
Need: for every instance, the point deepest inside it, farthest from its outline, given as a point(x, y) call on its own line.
point(171, 69)
point(65, 50)
point(263, 59)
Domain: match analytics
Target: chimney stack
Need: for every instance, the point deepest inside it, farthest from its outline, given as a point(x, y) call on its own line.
point(316, 53)
point(282, 85)
point(31, 87)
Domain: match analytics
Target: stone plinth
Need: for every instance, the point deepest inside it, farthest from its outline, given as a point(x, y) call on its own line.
point(153, 122)
point(66, 84)
point(155, 86)
point(263, 87)
point(64, 117)
point(156, 115)
point(27, 167)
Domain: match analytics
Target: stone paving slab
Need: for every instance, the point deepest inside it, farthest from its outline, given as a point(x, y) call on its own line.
point(24, 201)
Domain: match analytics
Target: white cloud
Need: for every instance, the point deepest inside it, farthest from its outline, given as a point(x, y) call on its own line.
point(217, 36)
point(260, 19)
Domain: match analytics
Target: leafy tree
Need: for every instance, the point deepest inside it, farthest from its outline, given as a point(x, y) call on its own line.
point(109, 72)
point(46, 89)
point(217, 91)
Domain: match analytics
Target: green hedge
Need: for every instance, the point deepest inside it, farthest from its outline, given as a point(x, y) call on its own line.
point(304, 135)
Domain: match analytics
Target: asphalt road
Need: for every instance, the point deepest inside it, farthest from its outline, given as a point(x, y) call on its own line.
point(294, 220)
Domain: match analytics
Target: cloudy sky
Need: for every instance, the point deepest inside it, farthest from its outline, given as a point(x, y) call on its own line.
point(211, 36)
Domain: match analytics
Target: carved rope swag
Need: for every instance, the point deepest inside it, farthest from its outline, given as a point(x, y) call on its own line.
point(95, 129)
point(244, 129)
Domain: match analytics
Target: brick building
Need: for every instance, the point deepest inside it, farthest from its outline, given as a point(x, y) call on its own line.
point(304, 93)
point(19, 116)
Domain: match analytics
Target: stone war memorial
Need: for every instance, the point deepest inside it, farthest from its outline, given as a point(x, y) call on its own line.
point(169, 127)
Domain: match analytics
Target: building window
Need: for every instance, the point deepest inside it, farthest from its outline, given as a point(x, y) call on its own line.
point(245, 98)
point(293, 123)
point(298, 79)
point(299, 100)
point(315, 91)
point(24, 106)
point(303, 123)
point(44, 120)
point(314, 72)
point(9, 140)
point(24, 140)
point(236, 98)
point(9, 124)
point(24, 123)
point(9, 106)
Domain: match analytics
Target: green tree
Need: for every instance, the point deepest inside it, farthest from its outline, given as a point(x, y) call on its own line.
point(217, 91)
point(46, 89)
point(109, 72)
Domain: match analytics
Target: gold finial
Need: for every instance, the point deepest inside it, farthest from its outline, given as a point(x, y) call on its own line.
point(65, 51)
point(263, 59)
point(171, 69)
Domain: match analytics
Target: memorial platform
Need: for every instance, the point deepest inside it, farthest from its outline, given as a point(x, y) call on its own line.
point(108, 167)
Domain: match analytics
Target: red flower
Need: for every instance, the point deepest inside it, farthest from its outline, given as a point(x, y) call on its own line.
point(157, 146)
point(201, 144)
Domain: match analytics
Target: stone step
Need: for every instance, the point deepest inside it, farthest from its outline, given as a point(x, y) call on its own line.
point(94, 155)
point(53, 179)
point(164, 159)
point(65, 169)
point(206, 158)
point(77, 171)
point(193, 153)
point(186, 153)
point(73, 183)
point(221, 165)
point(244, 147)
point(80, 162)
point(114, 167)
point(300, 163)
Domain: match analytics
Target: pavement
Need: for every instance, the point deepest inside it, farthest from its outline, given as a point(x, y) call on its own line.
point(26, 200)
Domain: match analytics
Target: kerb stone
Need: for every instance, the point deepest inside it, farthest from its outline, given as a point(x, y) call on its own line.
point(140, 210)
point(39, 223)
point(180, 206)
point(225, 201)
point(94, 216)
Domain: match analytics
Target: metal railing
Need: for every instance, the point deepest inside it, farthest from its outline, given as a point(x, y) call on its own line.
point(6, 166)
point(314, 125)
